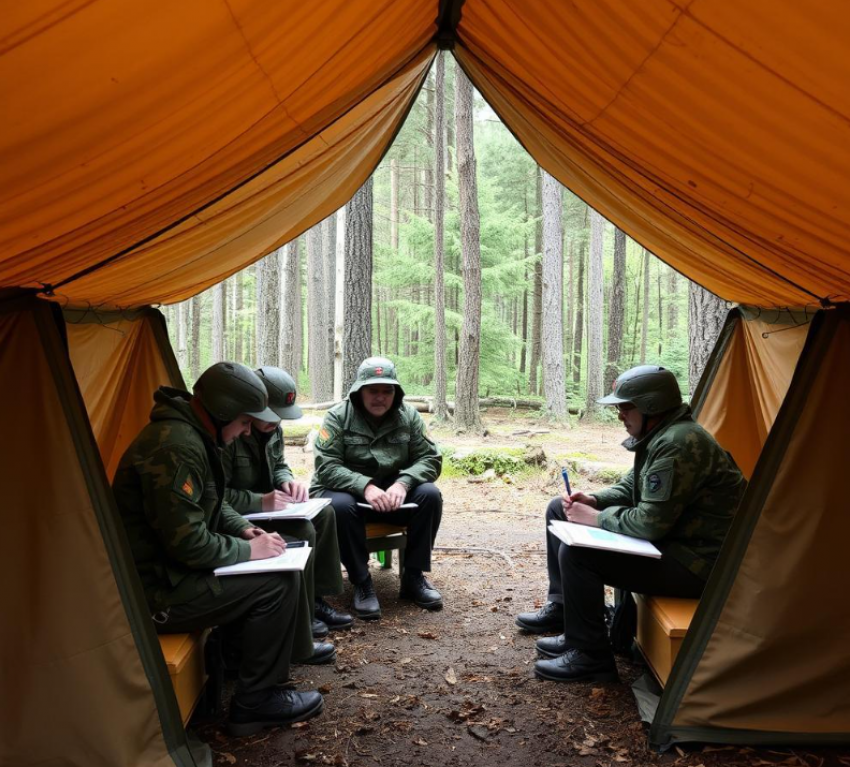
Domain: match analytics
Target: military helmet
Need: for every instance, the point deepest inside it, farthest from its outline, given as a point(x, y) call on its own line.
point(229, 389)
point(650, 388)
point(281, 388)
point(375, 370)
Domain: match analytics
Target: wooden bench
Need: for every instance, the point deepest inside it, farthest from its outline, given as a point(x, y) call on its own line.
point(387, 538)
point(184, 656)
point(662, 623)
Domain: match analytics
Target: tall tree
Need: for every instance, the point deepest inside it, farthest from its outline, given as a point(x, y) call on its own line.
point(321, 375)
point(595, 312)
point(291, 321)
point(467, 412)
point(644, 325)
point(218, 323)
point(616, 309)
point(357, 299)
point(182, 328)
point(268, 311)
point(578, 333)
point(339, 306)
point(537, 296)
point(238, 310)
point(195, 346)
point(329, 271)
point(441, 410)
point(706, 314)
point(672, 303)
point(552, 335)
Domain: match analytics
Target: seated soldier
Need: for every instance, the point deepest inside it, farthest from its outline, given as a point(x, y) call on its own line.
point(169, 488)
point(258, 479)
point(681, 494)
point(373, 448)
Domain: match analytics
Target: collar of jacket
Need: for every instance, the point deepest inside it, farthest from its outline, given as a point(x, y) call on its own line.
point(356, 422)
point(683, 412)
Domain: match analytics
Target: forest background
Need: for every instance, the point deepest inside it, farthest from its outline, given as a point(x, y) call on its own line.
point(542, 297)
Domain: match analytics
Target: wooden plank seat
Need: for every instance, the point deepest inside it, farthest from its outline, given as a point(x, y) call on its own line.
point(387, 538)
point(662, 623)
point(184, 657)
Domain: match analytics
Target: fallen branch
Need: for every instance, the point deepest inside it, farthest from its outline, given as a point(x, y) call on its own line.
point(474, 550)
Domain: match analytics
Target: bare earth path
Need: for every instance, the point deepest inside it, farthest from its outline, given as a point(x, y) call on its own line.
point(456, 687)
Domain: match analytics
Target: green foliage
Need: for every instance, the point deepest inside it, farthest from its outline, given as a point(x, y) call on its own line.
point(501, 460)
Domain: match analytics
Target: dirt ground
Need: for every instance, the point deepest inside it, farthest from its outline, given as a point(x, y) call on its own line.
point(456, 687)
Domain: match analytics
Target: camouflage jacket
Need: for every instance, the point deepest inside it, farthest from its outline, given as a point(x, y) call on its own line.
point(350, 452)
point(169, 488)
point(686, 493)
point(253, 466)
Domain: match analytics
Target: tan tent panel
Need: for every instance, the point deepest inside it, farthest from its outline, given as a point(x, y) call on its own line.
point(751, 380)
point(768, 661)
point(72, 639)
point(119, 362)
point(714, 132)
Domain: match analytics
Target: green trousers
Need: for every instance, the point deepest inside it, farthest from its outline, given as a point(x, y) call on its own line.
point(322, 576)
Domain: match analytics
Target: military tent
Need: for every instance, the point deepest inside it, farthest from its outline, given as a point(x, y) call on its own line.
point(149, 150)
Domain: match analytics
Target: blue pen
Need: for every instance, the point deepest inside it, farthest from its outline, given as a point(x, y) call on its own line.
point(566, 480)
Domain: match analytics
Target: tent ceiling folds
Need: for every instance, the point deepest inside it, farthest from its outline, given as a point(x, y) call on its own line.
point(151, 149)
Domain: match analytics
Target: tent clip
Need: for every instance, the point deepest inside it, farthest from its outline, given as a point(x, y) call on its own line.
point(47, 289)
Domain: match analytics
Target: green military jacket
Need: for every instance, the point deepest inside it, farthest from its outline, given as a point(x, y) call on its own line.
point(350, 452)
point(686, 493)
point(254, 466)
point(169, 488)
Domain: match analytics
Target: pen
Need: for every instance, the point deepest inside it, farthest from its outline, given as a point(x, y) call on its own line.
point(295, 544)
point(566, 480)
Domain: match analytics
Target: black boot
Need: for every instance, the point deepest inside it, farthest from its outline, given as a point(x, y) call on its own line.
point(320, 629)
point(578, 666)
point(334, 619)
point(415, 586)
point(280, 707)
point(323, 653)
point(552, 647)
point(366, 605)
point(550, 617)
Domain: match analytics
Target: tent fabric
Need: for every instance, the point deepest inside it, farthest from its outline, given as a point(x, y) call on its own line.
point(71, 659)
point(769, 661)
point(119, 362)
point(750, 383)
point(178, 143)
point(715, 134)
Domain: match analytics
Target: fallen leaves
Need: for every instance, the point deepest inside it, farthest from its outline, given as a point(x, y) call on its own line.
point(450, 676)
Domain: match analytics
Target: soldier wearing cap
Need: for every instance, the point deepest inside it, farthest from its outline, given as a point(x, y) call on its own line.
point(259, 479)
point(374, 448)
point(169, 488)
point(681, 494)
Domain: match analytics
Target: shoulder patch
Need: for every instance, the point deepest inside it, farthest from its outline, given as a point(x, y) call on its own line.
point(186, 483)
point(326, 436)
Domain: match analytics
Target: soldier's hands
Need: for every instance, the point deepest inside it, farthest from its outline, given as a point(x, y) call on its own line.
point(275, 501)
point(252, 532)
point(582, 514)
point(267, 545)
point(396, 493)
point(587, 500)
point(377, 498)
point(295, 491)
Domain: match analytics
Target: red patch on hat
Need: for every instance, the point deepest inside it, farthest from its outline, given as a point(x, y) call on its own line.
point(290, 398)
point(379, 371)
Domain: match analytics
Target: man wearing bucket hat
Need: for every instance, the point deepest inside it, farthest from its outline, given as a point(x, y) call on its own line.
point(374, 448)
point(169, 488)
point(259, 479)
point(681, 494)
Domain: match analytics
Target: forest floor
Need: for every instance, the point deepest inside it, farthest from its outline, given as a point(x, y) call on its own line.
point(456, 687)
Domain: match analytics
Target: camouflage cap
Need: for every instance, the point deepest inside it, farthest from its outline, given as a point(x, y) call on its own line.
point(375, 370)
point(650, 388)
point(229, 389)
point(281, 388)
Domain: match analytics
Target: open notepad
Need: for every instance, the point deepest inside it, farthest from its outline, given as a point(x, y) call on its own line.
point(596, 538)
point(291, 559)
point(306, 510)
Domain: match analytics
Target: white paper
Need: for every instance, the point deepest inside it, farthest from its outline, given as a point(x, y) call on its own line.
point(306, 510)
point(403, 506)
point(291, 559)
point(597, 538)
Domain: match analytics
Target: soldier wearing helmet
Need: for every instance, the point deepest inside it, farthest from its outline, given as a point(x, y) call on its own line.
point(259, 479)
point(374, 449)
point(169, 488)
point(681, 494)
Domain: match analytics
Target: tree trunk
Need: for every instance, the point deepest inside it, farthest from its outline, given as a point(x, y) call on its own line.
point(441, 410)
point(578, 333)
point(238, 307)
point(394, 205)
point(321, 383)
point(329, 271)
point(195, 348)
point(552, 335)
point(706, 314)
point(357, 299)
point(268, 312)
point(291, 323)
point(616, 309)
point(339, 306)
point(218, 323)
point(467, 413)
point(595, 312)
point(672, 304)
point(182, 328)
point(644, 325)
point(298, 327)
point(537, 299)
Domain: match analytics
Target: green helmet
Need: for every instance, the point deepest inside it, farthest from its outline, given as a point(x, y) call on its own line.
point(229, 389)
point(376, 370)
point(650, 388)
point(281, 388)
